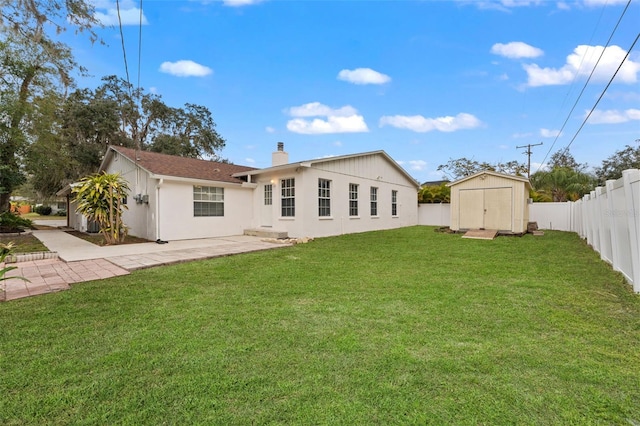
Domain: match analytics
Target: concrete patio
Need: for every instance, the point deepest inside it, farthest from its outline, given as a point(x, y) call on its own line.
point(80, 261)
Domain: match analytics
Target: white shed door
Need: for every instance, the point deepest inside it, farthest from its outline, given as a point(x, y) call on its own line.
point(471, 209)
point(497, 209)
point(488, 208)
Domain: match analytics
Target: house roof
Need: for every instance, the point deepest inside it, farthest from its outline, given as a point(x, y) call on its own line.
point(309, 163)
point(488, 172)
point(183, 167)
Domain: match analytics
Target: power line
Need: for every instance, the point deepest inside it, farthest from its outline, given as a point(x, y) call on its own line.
point(139, 44)
point(602, 94)
point(585, 85)
point(124, 50)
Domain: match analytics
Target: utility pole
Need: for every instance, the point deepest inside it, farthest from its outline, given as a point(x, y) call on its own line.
point(528, 152)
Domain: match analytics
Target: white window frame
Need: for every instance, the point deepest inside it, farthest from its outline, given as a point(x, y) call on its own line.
point(288, 197)
point(394, 202)
point(373, 197)
point(324, 197)
point(208, 201)
point(353, 199)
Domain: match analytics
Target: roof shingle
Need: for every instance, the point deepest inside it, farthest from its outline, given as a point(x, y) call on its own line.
point(193, 168)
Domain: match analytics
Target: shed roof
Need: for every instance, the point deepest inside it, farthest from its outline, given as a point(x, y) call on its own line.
point(491, 173)
point(183, 167)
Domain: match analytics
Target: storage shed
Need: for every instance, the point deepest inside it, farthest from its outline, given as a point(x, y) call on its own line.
point(490, 200)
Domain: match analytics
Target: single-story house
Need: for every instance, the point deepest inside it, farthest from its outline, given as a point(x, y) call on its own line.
point(175, 198)
point(490, 200)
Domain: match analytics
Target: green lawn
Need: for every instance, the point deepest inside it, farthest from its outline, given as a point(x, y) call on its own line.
point(406, 326)
point(24, 243)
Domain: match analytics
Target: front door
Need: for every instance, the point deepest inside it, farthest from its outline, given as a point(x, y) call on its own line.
point(267, 205)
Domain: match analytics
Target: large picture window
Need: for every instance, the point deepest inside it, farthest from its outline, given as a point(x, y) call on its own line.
point(288, 197)
point(374, 201)
point(208, 201)
point(353, 199)
point(324, 197)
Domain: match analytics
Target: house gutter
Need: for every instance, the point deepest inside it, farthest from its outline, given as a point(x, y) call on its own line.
point(160, 182)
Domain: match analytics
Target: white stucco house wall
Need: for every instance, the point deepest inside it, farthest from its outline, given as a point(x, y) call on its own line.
point(174, 198)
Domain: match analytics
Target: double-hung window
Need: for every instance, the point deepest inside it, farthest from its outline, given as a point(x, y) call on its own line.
point(374, 201)
point(288, 197)
point(353, 199)
point(324, 197)
point(394, 203)
point(208, 201)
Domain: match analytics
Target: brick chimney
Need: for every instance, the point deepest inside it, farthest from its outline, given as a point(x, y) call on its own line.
point(279, 157)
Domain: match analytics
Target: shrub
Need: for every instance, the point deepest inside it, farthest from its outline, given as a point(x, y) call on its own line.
point(43, 210)
point(10, 222)
point(61, 213)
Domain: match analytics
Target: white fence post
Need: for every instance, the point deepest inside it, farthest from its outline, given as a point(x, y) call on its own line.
point(608, 218)
point(631, 182)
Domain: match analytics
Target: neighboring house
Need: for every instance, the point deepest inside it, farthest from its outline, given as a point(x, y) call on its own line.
point(490, 200)
point(175, 198)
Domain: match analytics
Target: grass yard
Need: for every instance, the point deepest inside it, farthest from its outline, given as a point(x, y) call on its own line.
point(98, 239)
point(405, 326)
point(24, 243)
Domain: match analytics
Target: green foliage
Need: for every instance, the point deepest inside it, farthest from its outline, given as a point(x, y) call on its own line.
point(435, 194)
point(612, 167)
point(99, 197)
point(561, 184)
point(33, 63)
point(11, 222)
point(43, 210)
point(6, 250)
point(462, 167)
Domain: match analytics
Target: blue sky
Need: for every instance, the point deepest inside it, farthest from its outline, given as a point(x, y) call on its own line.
point(425, 81)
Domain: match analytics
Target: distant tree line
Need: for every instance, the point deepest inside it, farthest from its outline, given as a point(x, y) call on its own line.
point(52, 132)
point(563, 180)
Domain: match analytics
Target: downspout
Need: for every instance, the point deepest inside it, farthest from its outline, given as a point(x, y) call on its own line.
point(160, 182)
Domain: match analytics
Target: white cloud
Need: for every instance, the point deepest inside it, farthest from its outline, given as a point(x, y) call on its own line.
point(418, 123)
point(341, 120)
point(185, 68)
point(249, 160)
point(613, 116)
point(240, 3)
point(417, 165)
point(337, 143)
point(521, 135)
point(315, 109)
point(153, 89)
point(504, 146)
point(598, 3)
point(581, 62)
point(515, 50)
point(363, 76)
point(547, 133)
point(107, 13)
point(333, 124)
point(269, 129)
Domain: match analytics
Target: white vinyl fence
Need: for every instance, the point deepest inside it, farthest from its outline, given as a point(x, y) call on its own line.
point(434, 214)
point(608, 218)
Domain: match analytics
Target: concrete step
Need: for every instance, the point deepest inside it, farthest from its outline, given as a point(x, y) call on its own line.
point(266, 233)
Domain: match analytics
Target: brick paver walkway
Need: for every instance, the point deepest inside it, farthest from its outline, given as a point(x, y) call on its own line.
point(48, 276)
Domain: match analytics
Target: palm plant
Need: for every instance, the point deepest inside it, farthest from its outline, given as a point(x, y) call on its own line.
point(562, 184)
point(99, 197)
